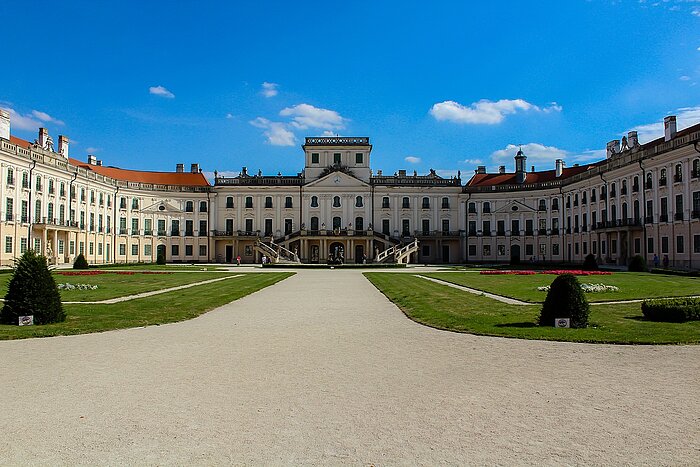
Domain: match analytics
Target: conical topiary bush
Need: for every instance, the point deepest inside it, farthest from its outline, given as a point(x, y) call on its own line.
point(565, 299)
point(32, 291)
point(80, 262)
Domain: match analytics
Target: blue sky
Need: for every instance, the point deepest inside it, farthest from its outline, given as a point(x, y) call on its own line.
point(448, 85)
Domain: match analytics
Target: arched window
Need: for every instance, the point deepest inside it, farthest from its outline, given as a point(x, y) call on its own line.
point(405, 204)
point(189, 206)
point(613, 191)
point(649, 181)
point(229, 202)
point(359, 223)
point(624, 212)
point(288, 202)
point(543, 205)
point(385, 202)
point(249, 202)
point(314, 203)
point(555, 204)
point(268, 202)
point(613, 213)
point(696, 168)
point(426, 203)
point(314, 223)
point(135, 203)
point(336, 202)
point(337, 223)
point(445, 202)
point(635, 209)
point(50, 186)
point(635, 184)
point(38, 183)
point(61, 214)
point(49, 212)
point(678, 176)
point(486, 207)
point(358, 202)
point(37, 211)
point(10, 176)
point(662, 178)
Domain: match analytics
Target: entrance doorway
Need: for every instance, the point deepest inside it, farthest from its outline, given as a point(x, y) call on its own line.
point(160, 251)
point(514, 254)
point(359, 254)
point(229, 253)
point(445, 253)
point(314, 254)
point(336, 253)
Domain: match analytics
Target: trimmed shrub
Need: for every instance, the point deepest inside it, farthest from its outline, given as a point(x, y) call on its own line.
point(80, 262)
point(32, 291)
point(160, 259)
point(565, 299)
point(589, 263)
point(674, 310)
point(637, 264)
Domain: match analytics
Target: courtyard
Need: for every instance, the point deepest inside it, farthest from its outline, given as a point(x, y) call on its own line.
point(321, 368)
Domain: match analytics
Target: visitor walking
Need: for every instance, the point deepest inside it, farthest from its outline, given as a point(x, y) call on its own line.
point(238, 260)
point(656, 261)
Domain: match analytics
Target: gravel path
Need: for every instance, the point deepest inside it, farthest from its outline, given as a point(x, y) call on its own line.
point(322, 369)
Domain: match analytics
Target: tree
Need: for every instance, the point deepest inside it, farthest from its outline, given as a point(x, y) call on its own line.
point(80, 262)
point(32, 291)
point(565, 299)
point(590, 263)
point(637, 264)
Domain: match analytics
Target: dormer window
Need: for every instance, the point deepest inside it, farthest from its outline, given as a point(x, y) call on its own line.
point(336, 201)
point(314, 203)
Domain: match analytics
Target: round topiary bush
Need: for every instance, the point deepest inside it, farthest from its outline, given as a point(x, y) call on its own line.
point(161, 258)
point(637, 264)
point(80, 262)
point(590, 263)
point(32, 291)
point(565, 299)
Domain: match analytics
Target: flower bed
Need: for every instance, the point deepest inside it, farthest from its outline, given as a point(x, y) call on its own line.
point(97, 273)
point(68, 286)
point(589, 288)
point(527, 272)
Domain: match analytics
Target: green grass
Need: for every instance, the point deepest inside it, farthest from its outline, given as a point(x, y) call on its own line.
point(158, 267)
point(632, 285)
point(114, 285)
point(443, 307)
point(160, 309)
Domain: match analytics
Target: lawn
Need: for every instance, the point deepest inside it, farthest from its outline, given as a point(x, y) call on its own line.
point(114, 285)
point(632, 285)
point(451, 309)
point(159, 267)
point(160, 309)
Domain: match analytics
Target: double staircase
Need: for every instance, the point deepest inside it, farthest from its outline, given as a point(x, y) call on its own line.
point(277, 253)
point(399, 254)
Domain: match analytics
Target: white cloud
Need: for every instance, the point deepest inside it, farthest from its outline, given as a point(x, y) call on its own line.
point(229, 116)
point(684, 78)
point(473, 161)
point(92, 150)
point(412, 159)
point(685, 117)
point(161, 91)
point(276, 133)
point(305, 116)
point(328, 133)
point(485, 111)
point(44, 117)
point(537, 154)
point(269, 89)
point(695, 12)
point(446, 173)
point(31, 121)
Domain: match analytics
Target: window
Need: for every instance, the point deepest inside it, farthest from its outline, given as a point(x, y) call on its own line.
point(425, 226)
point(679, 208)
point(288, 202)
point(337, 223)
point(147, 226)
point(189, 228)
point(188, 250)
point(249, 225)
point(696, 243)
point(336, 158)
point(25, 211)
point(501, 250)
point(445, 203)
point(543, 205)
point(37, 211)
point(358, 158)
point(229, 202)
point(62, 214)
point(134, 250)
point(102, 199)
point(134, 203)
point(650, 184)
point(314, 223)
point(664, 245)
point(189, 206)
point(359, 223)
point(122, 249)
point(679, 244)
point(10, 177)
point(202, 250)
point(134, 226)
point(203, 206)
point(385, 202)
point(662, 178)
point(515, 227)
point(175, 227)
point(23, 246)
point(61, 247)
point(287, 226)
point(486, 207)
point(585, 248)
point(637, 245)
point(82, 195)
point(8, 244)
point(92, 196)
point(446, 225)
point(358, 201)
point(678, 176)
point(314, 201)
point(650, 245)
point(249, 202)
point(486, 228)
point(385, 227)
point(92, 217)
point(38, 183)
point(501, 228)
point(9, 206)
point(529, 249)
point(268, 227)
point(71, 246)
point(62, 190)
point(336, 201)
point(664, 210)
point(229, 226)
point(472, 250)
point(555, 249)
point(405, 204)
point(487, 250)
point(425, 203)
point(202, 228)
point(405, 228)
point(148, 249)
point(314, 158)
point(161, 226)
point(555, 202)
point(426, 250)
point(25, 180)
point(175, 250)
point(51, 190)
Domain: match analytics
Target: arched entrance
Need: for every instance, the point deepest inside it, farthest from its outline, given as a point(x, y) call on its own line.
point(336, 253)
point(160, 250)
point(514, 254)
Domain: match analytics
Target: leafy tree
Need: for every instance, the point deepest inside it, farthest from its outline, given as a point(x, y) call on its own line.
point(32, 291)
point(589, 263)
point(565, 299)
point(80, 262)
point(637, 264)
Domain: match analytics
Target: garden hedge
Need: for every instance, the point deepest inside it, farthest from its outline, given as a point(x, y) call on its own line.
point(565, 299)
point(675, 310)
point(80, 262)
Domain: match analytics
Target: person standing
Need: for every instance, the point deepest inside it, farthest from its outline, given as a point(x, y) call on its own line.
point(656, 261)
point(238, 260)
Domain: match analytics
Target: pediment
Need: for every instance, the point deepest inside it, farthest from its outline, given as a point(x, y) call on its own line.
point(514, 206)
point(338, 180)
point(163, 207)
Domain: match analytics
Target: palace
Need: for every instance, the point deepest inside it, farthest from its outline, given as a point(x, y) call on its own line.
point(643, 199)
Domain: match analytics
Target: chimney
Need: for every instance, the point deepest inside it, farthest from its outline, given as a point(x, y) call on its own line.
point(632, 139)
point(501, 169)
point(194, 168)
point(612, 148)
point(4, 124)
point(43, 137)
point(92, 160)
point(63, 145)
point(669, 127)
point(402, 173)
point(532, 169)
point(99, 162)
point(179, 168)
point(481, 169)
point(559, 168)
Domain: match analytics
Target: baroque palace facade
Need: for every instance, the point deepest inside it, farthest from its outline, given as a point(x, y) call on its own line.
point(641, 199)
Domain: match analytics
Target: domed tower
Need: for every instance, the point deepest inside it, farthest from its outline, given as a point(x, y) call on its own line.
point(520, 172)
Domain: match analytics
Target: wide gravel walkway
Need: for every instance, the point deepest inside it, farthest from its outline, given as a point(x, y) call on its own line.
point(322, 369)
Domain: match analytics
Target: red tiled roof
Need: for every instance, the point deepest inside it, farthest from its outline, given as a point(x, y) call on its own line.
point(532, 177)
point(19, 141)
point(156, 178)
